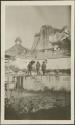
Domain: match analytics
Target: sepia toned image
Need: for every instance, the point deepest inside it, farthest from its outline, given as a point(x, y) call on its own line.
point(37, 61)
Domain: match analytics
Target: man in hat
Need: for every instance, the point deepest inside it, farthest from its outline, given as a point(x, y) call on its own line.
point(38, 67)
point(29, 68)
point(44, 68)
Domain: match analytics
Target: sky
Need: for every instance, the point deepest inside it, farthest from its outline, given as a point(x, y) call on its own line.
point(25, 21)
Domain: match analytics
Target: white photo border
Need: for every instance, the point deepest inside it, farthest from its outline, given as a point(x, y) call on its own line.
point(38, 3)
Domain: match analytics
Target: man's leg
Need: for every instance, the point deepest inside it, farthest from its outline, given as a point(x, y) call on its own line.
point(37, 72)
point(43, 73)
point(30, 72)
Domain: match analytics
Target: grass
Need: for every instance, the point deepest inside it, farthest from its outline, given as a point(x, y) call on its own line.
point(47, 105)
point(57, 113)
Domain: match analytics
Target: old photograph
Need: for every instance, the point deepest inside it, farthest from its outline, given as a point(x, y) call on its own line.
point(37, 62)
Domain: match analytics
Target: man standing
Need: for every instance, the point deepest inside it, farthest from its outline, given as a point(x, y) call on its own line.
point(29, 68)
point(38, 67)
point(44, 68)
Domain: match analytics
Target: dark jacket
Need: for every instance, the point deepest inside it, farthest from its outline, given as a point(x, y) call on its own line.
point(37, 65)
point(29, 66)
point(43, 66)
